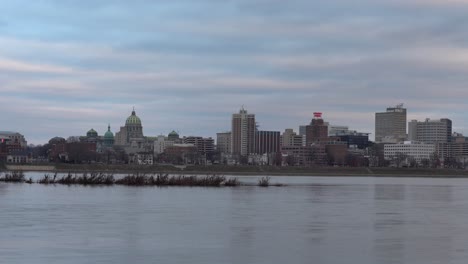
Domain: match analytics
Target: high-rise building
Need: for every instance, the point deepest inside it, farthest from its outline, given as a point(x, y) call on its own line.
point(267, 142)
point(390, 126)
point(337, 130)
point(317, 130)
point(456, 148)
point(430, 131)
point(243, 133)
point(302, 130)
point(360, 140)
point(223, 142)
point(204, 146)
point(290, 138)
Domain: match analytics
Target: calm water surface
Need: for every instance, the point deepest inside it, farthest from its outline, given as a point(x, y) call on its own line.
point(312, 220)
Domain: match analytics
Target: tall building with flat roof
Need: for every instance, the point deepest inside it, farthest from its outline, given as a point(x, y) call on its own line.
point(334, 130)
point(243, 133)
point(290, 138)
point(391, 125)
point(223, 142)
point(430, 131)
point(267, 142)
point(204, 146)
point(317, 130)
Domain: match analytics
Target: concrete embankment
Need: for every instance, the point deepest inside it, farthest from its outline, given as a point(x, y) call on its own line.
point(30, 167)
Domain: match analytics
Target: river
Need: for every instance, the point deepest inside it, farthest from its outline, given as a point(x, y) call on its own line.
point(335, 220)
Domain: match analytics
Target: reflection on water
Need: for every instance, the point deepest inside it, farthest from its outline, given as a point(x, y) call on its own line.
point(312, 220)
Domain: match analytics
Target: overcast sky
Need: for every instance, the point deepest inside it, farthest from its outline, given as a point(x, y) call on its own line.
point(67, 65)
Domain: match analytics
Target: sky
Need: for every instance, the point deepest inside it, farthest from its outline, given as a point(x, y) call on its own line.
point(67, 66)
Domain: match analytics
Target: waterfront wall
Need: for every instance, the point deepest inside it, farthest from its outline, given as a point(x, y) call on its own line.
point(30, 167)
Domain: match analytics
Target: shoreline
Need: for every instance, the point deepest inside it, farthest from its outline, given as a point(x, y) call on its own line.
point(251, 171)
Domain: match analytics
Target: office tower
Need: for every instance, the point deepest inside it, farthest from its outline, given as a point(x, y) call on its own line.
point(430, 131)
point(317, 130)
point(267, 142)
point(290, 138)
point(334, 130)
point(223, 142)
point(243, 133)
point(205, 146)
point(390, 126)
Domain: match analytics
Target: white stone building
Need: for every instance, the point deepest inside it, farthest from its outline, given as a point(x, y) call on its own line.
point(409, 149)
point(131, 137)
point(161, 143)
point(430, 131)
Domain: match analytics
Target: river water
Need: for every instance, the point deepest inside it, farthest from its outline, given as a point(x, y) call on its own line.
point(345, 220)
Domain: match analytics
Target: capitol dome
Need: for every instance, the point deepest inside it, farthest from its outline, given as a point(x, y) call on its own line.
point(173, 134)
point(92, 133)
point(109, 138)
point(133, 119)
point(109, 134)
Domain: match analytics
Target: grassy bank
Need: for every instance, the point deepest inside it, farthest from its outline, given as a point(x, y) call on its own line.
point(329, 171)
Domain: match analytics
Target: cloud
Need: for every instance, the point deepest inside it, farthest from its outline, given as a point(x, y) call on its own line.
point(20, 66)
point(449, 3)
point(85, 64)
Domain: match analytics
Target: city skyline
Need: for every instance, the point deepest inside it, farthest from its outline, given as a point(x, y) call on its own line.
point(296, 129)
point(68, 66)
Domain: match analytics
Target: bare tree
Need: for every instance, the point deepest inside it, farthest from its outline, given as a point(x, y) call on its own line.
point(426, 163)
point(400, 158)
point(412, 163)
point(434, 159)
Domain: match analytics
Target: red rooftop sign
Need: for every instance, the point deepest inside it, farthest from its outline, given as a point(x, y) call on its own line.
point(318, 115)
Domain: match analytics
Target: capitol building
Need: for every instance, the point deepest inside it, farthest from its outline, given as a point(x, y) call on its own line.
point(130, 137)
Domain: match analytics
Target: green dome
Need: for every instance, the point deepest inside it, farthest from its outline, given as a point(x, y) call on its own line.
point(173, 133)
point(92, 133)
point(133, 119)
point(109, 134)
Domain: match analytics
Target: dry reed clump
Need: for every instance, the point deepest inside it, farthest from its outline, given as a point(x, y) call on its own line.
point(84, 179)
point(232, 182)
point(180, 180)
point(264, 181)
point(15, 176)
point(136, 179)
point(47, 179)
point(133, 180)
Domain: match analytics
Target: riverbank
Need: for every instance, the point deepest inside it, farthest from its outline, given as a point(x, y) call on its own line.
point(247, 170)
